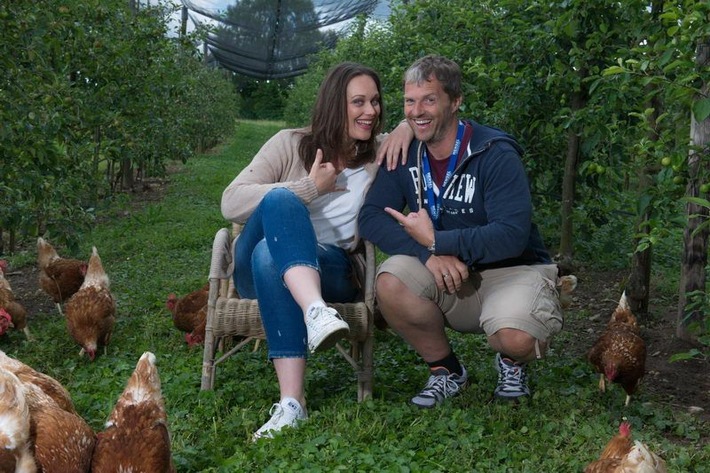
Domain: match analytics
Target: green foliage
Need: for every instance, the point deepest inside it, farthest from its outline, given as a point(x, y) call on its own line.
point(522, 64)
point(165, 246)
point(92, 91)
point(262, 99)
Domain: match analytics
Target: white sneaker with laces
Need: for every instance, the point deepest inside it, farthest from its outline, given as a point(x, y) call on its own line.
point(325, 327)
point(286, 413)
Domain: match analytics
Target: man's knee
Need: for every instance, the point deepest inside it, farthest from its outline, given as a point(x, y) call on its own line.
point(518, 343)
point(388, 286)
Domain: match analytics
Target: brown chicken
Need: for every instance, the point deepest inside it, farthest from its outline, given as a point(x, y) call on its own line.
point(59, 277)
point(90, 313)
point(619, 354)
point(621, 456)
point(136, 436)
point(63, 441)
point(15, 444)
point(28, 375)
point(12, 308)
point(190, 314)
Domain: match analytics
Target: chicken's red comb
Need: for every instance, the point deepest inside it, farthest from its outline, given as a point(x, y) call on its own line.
point(625, 429)
point(3, 265)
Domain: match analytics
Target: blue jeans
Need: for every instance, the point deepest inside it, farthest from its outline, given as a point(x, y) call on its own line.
point(277, 236)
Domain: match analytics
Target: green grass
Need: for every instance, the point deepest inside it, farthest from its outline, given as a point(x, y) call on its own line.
point(165, 247)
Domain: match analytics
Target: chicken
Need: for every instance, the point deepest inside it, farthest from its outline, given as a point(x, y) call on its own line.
point(190, 313)
point(59, 277)
point(136, 436)
point(90, 313)
point(566, 285)
point(619, 354)
point(15, 445)
point(10, 307)
point(28, 375)
point(63, 441)
point(621, 456)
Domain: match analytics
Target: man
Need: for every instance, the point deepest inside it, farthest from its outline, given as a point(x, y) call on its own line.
point(467, 255)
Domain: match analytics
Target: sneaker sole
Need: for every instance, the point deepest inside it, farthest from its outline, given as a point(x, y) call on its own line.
point(512, 399)
point(329, 340)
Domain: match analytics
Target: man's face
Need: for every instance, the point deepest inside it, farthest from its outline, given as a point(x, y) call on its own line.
point(430, 112)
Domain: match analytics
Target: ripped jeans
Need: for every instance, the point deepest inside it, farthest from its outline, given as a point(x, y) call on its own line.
point(277, 236)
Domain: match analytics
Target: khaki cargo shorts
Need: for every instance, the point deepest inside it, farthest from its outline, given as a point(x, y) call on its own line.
point(518, 297)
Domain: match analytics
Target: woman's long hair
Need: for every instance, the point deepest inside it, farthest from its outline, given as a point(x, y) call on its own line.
point(328, 130)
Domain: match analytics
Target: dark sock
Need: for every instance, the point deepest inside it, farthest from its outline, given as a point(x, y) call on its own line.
point(450, 362)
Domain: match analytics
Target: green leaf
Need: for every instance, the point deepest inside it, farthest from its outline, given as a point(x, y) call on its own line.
point(701, 109)
point(688, 355)
point(612, 70)
point(698, 201)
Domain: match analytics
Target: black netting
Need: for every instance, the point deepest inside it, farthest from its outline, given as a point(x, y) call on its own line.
point(272, 39)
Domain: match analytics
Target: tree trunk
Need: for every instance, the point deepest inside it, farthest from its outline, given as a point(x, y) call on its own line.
point(565, 254)
point(695, 251)
point(638, 287)
point(126, 174)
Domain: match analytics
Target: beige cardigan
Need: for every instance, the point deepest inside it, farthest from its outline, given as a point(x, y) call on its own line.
point(277, 164)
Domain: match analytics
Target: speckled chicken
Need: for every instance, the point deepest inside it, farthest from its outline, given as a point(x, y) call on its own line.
point(63, 441)
point(619, 354)
point(15, 443)
point(622, 456)
point(59, 277)
point(90, 313)
point(28, 375)
point(12, 313)
point(136, 436)
point(190, 313)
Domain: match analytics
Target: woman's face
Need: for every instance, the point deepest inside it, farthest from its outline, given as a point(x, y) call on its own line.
point(363, 101)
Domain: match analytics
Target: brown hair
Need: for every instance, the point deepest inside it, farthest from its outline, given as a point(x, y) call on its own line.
point(329, 120)
point(445, 70)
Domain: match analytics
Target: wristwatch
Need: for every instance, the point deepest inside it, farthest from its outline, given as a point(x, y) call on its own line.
point(432, 247)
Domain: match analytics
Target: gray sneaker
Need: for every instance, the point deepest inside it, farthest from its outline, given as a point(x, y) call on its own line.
point(512, 380)
point(286, 413)
point(441, 384)
point(325, 327)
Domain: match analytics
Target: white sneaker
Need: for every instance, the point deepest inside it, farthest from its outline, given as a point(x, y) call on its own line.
point(286, 413)
point(325, 327)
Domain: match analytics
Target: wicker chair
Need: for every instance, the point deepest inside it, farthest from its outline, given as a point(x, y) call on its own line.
point(229, 316)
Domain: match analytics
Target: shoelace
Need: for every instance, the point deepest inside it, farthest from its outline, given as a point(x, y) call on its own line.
point(276, 412)
point(438, 385)
point(512, 375)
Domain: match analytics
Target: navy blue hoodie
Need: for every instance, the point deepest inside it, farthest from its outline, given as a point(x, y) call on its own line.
point(486, 209)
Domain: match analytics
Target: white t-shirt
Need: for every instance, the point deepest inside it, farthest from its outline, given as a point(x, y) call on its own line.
point(334, 215)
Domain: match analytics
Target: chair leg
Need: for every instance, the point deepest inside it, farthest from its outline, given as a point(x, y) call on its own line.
point(365, 378)
point(208, 366)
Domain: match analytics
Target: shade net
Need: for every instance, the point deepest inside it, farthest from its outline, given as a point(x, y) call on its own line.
point(272, 39)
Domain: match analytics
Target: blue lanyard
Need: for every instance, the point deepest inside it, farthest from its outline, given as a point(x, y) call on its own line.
point(432, 201)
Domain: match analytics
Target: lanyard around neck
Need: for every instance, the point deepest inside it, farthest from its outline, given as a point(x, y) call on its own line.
point(433, 202)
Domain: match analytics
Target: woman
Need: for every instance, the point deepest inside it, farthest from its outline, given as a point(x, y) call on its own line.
point(300, 197)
